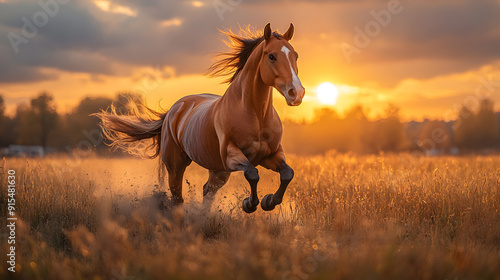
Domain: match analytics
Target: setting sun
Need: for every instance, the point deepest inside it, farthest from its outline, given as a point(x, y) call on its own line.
point(327, 93)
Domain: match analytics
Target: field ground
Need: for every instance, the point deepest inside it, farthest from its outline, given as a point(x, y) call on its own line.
point(343, 217)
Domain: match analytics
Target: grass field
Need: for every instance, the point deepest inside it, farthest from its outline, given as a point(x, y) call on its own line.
point(343, 217)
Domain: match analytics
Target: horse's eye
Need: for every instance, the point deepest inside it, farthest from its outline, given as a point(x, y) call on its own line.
point(272, 58)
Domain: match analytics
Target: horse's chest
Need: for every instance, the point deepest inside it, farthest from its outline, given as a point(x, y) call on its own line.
point(257, 149)
point(257, 143)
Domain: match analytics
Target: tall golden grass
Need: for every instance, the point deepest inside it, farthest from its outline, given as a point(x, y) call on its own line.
point(343, 217)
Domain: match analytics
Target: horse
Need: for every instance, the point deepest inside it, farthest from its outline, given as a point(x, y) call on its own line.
point(237, 131)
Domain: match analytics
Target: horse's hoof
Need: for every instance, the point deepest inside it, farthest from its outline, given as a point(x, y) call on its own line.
point(247, 206)
point(267, 203)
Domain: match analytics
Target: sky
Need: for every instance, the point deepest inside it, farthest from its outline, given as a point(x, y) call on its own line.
point(427, 57)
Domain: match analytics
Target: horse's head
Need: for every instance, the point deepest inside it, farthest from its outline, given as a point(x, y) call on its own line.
point(278, 65)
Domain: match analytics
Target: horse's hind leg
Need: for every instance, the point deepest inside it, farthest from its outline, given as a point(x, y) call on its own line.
point(216, 179)
point(176, 161)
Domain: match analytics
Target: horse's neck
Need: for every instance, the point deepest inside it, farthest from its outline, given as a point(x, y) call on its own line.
point(249, 91)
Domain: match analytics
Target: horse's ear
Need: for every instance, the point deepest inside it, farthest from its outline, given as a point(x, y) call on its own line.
point(267, 32)
point(289, 33)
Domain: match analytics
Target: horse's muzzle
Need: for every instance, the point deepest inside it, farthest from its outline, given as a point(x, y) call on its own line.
point(294, 96)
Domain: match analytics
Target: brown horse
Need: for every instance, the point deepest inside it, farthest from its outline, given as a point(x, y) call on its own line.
point(233, 132)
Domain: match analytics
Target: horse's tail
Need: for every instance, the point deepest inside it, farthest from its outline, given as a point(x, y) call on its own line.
point(126, 131)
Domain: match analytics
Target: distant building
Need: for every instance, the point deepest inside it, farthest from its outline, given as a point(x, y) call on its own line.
point(432, 137)
point(23, 151)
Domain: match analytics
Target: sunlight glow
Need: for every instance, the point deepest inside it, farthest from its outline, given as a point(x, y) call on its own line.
point(327, 93)
point(171, 22)
point(197, 4)
point(107, 6)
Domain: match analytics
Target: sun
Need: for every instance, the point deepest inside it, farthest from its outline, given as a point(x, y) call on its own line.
point(327, 93)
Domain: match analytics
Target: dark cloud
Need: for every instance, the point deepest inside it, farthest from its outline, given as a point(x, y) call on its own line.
point(455, 35)
point(82, 38)
point(445, 37)
point(67, 42)
point(464, 30)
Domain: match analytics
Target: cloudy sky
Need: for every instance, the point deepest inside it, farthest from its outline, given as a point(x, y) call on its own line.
point(427, 57)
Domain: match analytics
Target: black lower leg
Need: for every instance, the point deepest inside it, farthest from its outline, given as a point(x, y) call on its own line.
point(286, 176)
point(252, 176)
point(270, 201)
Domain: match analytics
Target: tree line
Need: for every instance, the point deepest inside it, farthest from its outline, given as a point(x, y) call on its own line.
point(475, 129)
point(39, 124)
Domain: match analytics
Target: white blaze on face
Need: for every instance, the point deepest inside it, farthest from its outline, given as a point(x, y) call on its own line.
point(296, 82)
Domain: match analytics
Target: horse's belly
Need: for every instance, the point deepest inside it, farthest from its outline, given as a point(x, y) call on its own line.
point(196, 134)
point(202, 147)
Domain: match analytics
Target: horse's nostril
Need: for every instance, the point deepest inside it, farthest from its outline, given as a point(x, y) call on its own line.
point(291, 93)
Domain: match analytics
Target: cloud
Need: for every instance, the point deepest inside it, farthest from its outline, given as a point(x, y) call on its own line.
point(82, 37)
point(427, 39)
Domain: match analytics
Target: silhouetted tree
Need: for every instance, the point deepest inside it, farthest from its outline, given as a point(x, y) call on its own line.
point(44, 110)
point(2, 119)
point(392, 128)
point(2, 106)
point(487, 127)
point(465, 128)
point(356, 113)
point(385, 134)
point(26, 126)
point(354, 130)
point(5, 125)
point(479, 129)
point(81, 125)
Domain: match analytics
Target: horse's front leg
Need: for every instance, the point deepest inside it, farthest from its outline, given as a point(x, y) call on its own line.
point(237, 161)
point(276, 162)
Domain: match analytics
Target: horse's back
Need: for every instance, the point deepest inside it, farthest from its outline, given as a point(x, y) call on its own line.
point(191, 125)
point(197, 98)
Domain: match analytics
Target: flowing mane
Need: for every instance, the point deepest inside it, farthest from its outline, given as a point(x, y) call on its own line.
point(229, 64)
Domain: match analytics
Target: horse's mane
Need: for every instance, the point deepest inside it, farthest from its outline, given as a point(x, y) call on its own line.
point(229, 64)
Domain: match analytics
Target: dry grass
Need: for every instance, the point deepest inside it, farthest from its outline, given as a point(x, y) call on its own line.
point(377, 217)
